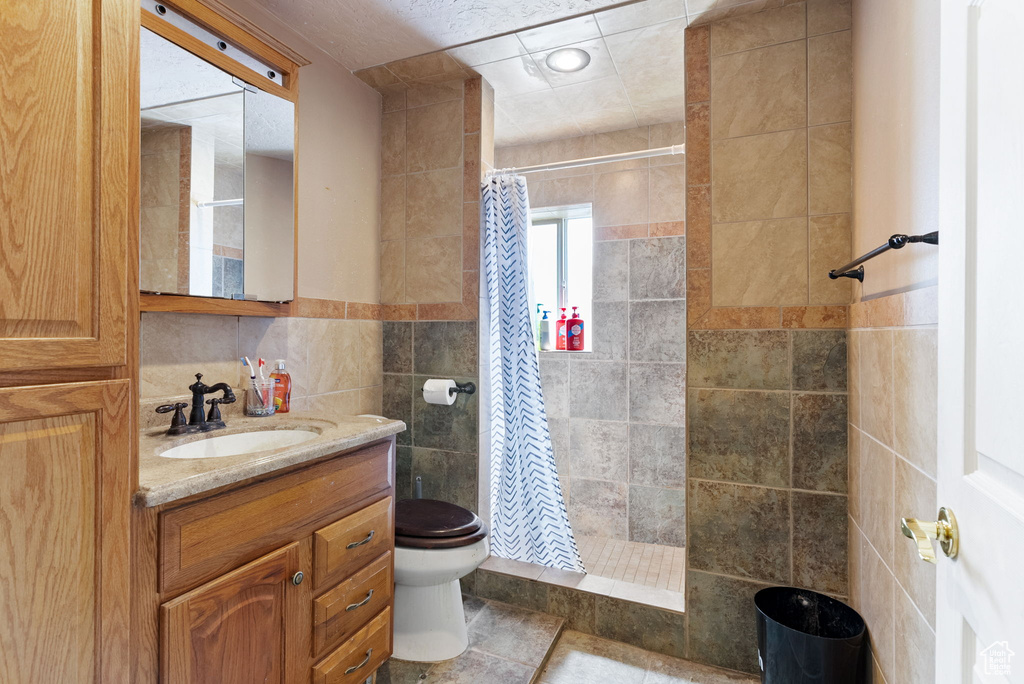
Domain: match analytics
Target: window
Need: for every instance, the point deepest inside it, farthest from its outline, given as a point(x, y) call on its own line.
point(561, 255)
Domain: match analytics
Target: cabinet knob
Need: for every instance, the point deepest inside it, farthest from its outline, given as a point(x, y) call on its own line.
point(297, 578)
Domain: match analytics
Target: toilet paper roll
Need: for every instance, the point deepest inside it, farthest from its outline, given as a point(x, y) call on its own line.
point(436, 391)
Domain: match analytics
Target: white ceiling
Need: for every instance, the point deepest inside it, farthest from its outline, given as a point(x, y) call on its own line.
point(635, 77)
point(362, 33)
point(178, 88)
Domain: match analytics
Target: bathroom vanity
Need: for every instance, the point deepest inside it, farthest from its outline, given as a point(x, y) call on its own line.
point(278, 561)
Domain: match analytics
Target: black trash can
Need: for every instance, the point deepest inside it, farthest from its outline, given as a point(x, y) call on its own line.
point(804, 637)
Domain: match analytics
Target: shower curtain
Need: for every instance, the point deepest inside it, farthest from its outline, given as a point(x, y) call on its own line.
point(528, 516)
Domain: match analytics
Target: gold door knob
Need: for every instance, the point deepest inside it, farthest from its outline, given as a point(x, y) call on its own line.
point(944, 530)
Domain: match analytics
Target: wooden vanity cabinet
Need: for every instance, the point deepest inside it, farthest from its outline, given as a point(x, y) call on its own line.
point(247, 626)
point(284, 580)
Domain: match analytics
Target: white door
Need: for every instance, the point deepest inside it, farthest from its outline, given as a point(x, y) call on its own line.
point(980, 602)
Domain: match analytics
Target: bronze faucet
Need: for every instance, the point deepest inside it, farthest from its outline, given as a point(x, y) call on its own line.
point(198, 420)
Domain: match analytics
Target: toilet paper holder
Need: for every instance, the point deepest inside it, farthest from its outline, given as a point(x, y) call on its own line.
point(462, 388)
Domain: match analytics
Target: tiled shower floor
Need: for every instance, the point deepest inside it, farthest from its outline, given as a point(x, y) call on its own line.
point(649, 565)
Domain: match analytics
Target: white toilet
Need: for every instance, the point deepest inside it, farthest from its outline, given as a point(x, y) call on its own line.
point(436, 543)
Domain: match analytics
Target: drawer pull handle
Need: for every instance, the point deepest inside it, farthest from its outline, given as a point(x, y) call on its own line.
point(360, 543)
point(365, 660)
point(353, 606)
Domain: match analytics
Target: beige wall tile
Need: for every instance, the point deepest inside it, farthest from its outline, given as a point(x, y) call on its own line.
point(620, 198)
point(392, 272)
point(915, 498)
point(371, 353)
point(750, 31)
point(824, 16)
point(665, 134)
point(876, 605)
point(616, 142)
point(853, 364)
point(915, 396)
point(425, 66)
point(174, 347)
point(876, 406)
point(828, 248)
point(759, 177)
point(277, 338)
point(335, 403)
point(875, 473)
point(392, 208)
point(433, 203)
point(393, 97)
point(421, 94)
point(434, 136)
point(914, 643)
point(433, 270)
point(830, 78)
point(667, 193)
point(759, 263)
point(830, 188)
point(560, 191)
point(333, 355)
point(371, 400)
point(759, 91)
point(392, 147)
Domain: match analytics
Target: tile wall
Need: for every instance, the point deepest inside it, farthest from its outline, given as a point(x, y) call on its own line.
point(164, 210)
point(437, 139)
point(617, 413)
point(335, 364)
point(893, 337)
point(440, 445)
point(893, 409)
point(768, 214)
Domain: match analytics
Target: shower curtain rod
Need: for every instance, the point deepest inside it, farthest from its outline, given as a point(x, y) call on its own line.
point(605, 159)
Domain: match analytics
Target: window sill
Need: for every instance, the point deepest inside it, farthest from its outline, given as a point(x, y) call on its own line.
point(566, 352)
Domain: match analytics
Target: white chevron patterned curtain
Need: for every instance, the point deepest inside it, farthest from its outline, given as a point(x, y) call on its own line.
point(528, 517)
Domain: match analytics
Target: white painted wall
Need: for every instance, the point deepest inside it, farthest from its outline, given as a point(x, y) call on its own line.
point(895, 138)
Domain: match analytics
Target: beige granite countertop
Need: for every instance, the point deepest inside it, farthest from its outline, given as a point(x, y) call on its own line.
point(162, 480)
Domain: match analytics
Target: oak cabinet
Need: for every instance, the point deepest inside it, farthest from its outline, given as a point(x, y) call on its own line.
point(66, 199)
point(220, 600)
point(64, 533)
point(251, 625)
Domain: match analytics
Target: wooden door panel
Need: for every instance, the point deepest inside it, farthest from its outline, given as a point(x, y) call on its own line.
point(236, 629)
point(64, 187)
point(64, 533)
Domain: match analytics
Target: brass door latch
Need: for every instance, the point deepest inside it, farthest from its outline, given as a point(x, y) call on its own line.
point(944, 530)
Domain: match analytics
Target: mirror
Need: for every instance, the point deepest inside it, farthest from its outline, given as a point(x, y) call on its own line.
point(217, 180)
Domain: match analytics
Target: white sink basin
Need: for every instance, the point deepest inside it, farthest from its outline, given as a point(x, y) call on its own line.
point(241, 443)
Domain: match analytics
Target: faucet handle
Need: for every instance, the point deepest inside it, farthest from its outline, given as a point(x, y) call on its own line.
point(178, 422)
point(213, 416)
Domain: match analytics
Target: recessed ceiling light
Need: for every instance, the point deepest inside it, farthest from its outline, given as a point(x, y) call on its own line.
point(568, 60)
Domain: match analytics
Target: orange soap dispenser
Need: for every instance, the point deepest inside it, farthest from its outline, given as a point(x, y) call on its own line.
point(282, 387)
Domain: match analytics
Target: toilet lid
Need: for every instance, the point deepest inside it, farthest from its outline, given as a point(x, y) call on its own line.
point(431, 518)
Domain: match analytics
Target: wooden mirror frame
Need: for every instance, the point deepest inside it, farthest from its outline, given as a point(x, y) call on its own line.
point(246, 36)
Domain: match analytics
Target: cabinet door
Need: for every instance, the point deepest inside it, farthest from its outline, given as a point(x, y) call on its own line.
point(67, 130)
point(250, 625)
point(65, 488)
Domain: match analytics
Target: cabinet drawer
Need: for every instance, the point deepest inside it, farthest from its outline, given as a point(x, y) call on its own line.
point(340, 612)
point(202, 540)
point(339, 550)
point(357, 658)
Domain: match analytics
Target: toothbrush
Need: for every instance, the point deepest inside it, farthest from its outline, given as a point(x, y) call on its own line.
point(252, 379)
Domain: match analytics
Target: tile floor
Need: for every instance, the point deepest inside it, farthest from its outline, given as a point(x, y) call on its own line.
point(510, 645)
point(650, 565)
point(507, 645)
point(583, 659)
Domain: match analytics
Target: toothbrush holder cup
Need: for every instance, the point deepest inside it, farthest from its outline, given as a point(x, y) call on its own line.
point(259, 398)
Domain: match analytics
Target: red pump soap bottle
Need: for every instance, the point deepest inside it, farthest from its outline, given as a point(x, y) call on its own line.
point(574, 327)
point(560, 342)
